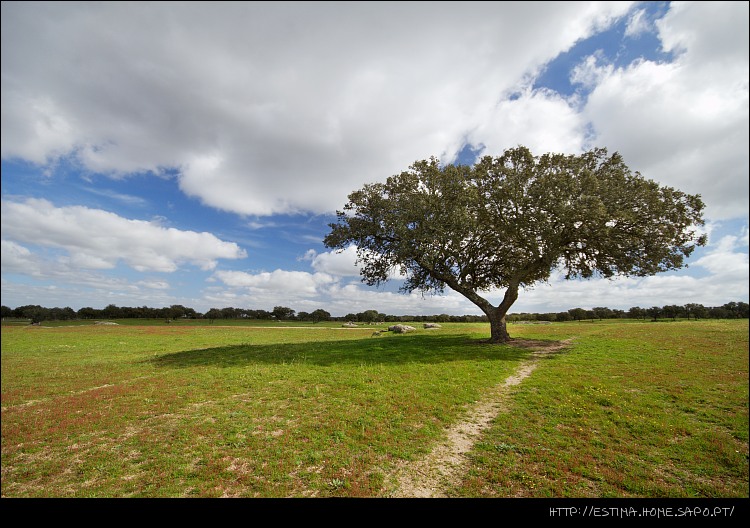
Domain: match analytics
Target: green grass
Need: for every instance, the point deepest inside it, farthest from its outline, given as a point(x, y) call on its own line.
point(647, 410)
point(263, 410)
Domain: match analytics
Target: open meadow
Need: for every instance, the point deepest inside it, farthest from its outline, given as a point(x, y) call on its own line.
point(624, 408)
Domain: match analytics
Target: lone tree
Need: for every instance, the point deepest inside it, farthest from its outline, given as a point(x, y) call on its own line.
point(507, 222)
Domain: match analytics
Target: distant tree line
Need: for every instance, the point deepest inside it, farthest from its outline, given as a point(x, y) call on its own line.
point(731, 310)
point(36, 314)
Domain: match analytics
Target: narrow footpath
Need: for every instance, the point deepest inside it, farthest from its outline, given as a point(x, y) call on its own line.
point(443, 468)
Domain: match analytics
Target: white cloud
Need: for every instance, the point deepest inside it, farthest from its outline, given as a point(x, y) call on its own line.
point(262, 291)
point(59, 283)
point(15, 257)
point(541, 120)
point(637, 24)
point(262, 110)
point(48, 133)
point(260, 225)
point(127, 199)
point(590, 73)
point(97, 239)
point(684, 124)
point(278, 281)
point(87, 261)
point(723, 261)
point(339, 264)
point(154, 284)
point(284, 107)
point(726, 264)
point(342, 263)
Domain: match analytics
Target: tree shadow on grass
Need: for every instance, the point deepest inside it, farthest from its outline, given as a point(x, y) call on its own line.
point(369, 351)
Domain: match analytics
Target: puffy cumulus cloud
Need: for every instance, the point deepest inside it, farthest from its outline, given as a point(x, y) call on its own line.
point(560, 295)
point(16, 258)
point(342, 263)
point(620, 293)
point(260, 110)
point(298, 282)
point(724, 260)
point(40, 118)
point(725, 263)
point(339, 263)
point(298, 290)
point(97, 239)
point(304, 291)
point(638, 23)
point(724, 270)
point(541, 120)
point(684, 123)
point(59, 283)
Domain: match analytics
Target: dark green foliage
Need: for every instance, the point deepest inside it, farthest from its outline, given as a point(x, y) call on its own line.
point(509, 221)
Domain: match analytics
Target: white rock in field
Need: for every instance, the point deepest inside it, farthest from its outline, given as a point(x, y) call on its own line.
point(401, 329)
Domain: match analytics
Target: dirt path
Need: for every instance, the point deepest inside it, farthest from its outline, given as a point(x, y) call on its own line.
point(445, 465)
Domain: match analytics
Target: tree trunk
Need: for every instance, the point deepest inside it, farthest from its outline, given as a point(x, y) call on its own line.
point(496, 315)
point(498, 328)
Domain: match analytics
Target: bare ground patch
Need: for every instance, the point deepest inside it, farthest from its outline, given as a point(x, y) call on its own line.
point(444, 466)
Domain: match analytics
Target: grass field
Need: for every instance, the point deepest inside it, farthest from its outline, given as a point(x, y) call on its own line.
point(629, 409)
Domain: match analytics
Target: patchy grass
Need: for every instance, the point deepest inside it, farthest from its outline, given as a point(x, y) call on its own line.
point(629, 410)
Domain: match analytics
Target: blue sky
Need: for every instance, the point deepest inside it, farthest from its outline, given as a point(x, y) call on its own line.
point(163, 153)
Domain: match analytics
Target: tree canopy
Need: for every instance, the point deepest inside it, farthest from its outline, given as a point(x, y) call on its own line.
point(508, 221)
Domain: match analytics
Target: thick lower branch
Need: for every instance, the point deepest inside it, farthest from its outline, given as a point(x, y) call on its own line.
point(495, 314)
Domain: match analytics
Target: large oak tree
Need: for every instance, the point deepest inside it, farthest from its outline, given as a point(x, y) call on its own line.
point(507, 222)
